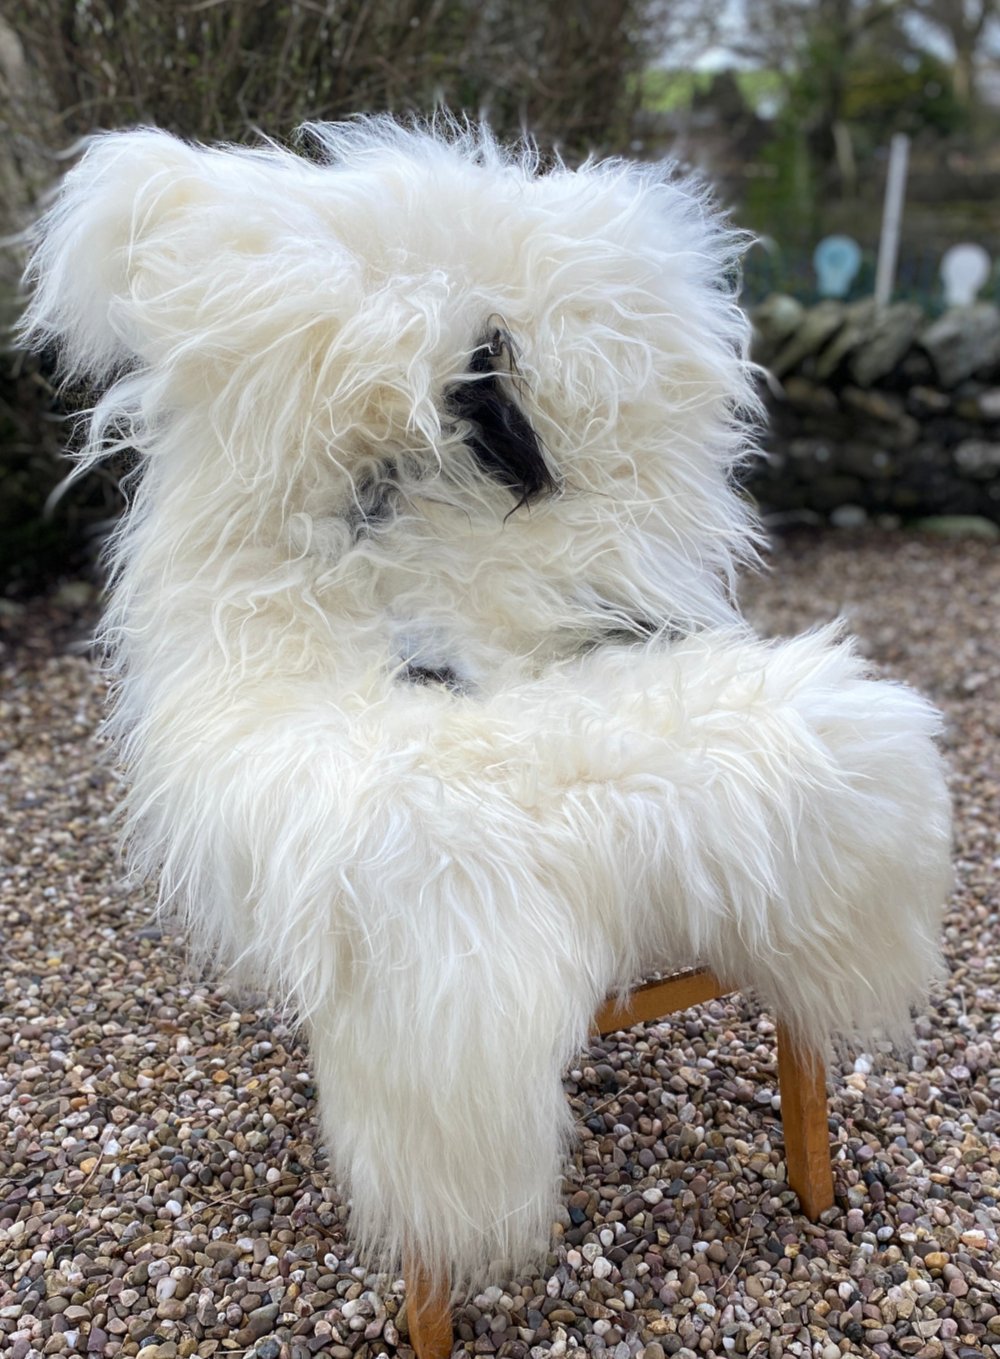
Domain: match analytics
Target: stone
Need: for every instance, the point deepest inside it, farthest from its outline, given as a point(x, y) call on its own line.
point(206, 1313)
point(776, 319)
point(933, 1349)
point(865, 460)
point(813, 454)
point(809, 396)
point(75, 594)
point(819, 325)
point(926, 401)
point(849, 517)
point(829, 492)
point(887, 411)
point(988, 403)
point(892, 332)
point(262, 1319)
point(978, 458)
point(964, 341)
point(859, 319)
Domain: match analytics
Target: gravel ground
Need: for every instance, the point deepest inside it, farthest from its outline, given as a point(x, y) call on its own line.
point(161, 1188)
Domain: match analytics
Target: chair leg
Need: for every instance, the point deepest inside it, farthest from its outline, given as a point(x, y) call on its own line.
point(802, 1085)
point(428, 1311)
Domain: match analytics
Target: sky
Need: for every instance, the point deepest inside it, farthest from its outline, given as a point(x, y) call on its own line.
point(736, 16)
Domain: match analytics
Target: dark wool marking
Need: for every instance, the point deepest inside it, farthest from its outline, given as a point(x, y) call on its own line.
point(631, 632)
point(500, 435)
point(426, 674)
point(373, 500)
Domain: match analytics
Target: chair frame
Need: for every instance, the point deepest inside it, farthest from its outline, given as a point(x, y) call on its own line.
point(801, 1080)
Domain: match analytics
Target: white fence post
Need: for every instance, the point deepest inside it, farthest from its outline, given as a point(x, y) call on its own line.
point(892, 217)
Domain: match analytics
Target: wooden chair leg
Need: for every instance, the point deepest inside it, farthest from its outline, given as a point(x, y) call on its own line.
point(802, 1085)
point(428, 1312)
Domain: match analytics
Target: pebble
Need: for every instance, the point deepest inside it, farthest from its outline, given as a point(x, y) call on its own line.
point(207, 1205)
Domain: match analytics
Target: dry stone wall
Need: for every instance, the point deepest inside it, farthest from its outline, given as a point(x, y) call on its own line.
point(890, 415)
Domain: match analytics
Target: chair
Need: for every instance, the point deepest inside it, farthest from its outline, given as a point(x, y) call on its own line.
point(801, 1080)
point(438, 715)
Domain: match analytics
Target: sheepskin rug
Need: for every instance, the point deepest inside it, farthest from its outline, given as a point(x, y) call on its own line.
point(438, 714)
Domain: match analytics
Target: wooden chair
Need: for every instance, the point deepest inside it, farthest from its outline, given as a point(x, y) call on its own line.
point(801, 1080)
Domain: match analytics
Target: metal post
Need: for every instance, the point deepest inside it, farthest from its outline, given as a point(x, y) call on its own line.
point(892, 216)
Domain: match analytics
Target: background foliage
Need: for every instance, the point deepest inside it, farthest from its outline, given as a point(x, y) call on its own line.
point(229, 69)
point(788, 105)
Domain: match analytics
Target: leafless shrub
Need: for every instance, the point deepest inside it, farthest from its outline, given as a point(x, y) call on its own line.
point(232, 69)
point(224, 68)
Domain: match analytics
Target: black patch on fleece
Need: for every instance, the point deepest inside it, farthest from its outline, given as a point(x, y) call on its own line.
point(373, 501)
point(426, 674)
point(632, 632)
point(500, 435)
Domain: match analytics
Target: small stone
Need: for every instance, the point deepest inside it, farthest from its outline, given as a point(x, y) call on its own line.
point(172, 1309)
point(721, 1265)
point(262, 1319)
point(848, 517)
point(978, 458)
point(775, 321)
point(815, 328)
point(963, 341)
point(562, 1316)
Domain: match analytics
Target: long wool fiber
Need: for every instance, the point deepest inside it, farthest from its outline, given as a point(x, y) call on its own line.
point(438, 715)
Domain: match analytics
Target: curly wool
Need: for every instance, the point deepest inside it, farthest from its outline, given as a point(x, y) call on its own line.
point(446, 878)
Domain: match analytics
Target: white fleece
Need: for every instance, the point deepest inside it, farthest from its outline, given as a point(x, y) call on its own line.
point(447, 879)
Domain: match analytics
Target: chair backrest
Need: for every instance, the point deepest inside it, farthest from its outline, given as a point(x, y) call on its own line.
point(474, 411)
